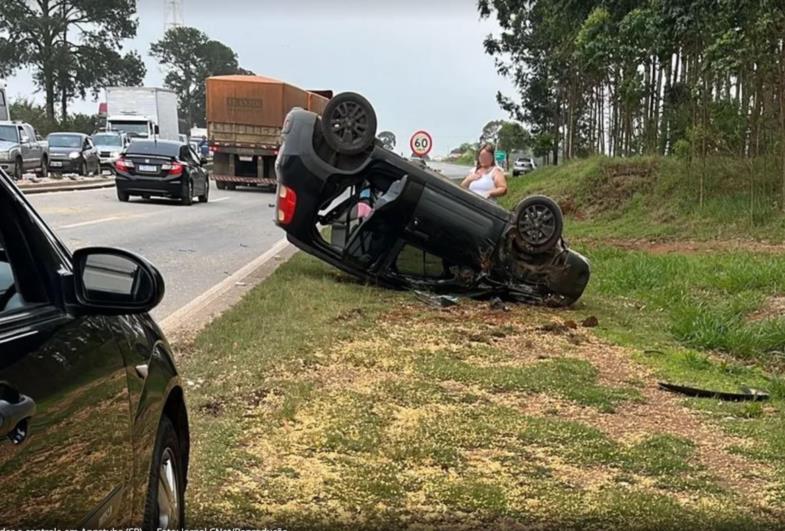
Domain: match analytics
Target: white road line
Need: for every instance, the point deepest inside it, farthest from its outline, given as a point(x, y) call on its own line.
point(182, 315)
point(99, 221)
point(220, 199)
point(87, 223)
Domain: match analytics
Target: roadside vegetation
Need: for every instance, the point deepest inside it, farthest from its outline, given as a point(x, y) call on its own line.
point(348, 406)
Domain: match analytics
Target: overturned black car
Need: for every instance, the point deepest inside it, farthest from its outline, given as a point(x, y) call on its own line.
point(403, 226)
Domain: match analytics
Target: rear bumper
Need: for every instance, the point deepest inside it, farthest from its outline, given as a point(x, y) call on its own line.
point(248, 181)
point(148, 186)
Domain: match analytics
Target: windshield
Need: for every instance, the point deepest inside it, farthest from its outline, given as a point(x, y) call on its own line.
point(148, 147)
point(8, 133)
point(131, 128)
point(108, 140)
point(65, 141)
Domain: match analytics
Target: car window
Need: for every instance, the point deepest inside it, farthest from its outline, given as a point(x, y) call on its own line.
point(8, 133)
point(65, 141)
point(415, 262)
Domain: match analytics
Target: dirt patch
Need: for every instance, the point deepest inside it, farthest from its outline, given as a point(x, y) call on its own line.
point(772, 308)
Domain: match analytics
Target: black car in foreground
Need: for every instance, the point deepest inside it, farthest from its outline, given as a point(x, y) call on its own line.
point(401, 225)
point(161, 168)
point(73, 153)
point(93, 423)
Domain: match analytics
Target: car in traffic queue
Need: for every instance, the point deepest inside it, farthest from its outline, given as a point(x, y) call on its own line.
point(161, 168)
point(402, 226)
point(93, 421)
point(110, 146)
point(22, 149)
point(73, 153)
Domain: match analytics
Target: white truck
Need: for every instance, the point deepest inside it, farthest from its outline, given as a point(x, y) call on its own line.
point(4, 111)
point(142, 112)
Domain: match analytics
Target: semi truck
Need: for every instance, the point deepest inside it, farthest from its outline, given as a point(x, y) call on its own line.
point(142, 112)
point(245, 115)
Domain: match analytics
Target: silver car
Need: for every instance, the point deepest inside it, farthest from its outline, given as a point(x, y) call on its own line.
point(523, 165)
point(110, 146)
point(22, 150)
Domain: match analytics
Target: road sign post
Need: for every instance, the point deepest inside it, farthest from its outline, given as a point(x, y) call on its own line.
point(421, 143)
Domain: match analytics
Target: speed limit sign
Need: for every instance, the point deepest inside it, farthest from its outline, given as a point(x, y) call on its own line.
point(421, 143)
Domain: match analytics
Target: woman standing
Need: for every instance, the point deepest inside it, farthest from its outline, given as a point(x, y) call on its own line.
point(487, 179)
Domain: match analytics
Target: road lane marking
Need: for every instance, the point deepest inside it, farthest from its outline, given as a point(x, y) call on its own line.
point(185, 313)
point(220, 199)
point(99, 221)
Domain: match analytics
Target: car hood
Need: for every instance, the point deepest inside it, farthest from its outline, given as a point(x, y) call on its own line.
point(63, 150)
point(101, 147)
point(5, 146)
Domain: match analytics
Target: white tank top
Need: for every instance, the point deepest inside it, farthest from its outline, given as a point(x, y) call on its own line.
point(484, 184)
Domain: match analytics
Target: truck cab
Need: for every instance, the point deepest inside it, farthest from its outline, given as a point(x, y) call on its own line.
point(132, 126)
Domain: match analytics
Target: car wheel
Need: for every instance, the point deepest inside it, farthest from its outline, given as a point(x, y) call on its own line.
point(123, 196)
point(188, 194)
point(231, 186)
point(44, 168)
point(349, 124)
point(165, 506)
point(538, 224)
point(18, 169)
point(83, 169)
point(206, 196)
point(220, 185)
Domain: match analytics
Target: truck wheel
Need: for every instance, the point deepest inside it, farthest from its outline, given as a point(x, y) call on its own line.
point(220, 185)
point(349, 124)
point(18, 169)
point(538, 224)
point(231, 186)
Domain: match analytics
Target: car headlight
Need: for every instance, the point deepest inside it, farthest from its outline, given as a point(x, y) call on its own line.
point(115, 155)
point(5, 155)
point(74, 155)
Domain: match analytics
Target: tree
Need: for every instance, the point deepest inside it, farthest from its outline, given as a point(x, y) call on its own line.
point(387, 139)
point(490, 133)
point(73, 46)
point(190, 57)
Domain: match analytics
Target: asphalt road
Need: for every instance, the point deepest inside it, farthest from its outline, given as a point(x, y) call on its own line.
point(451, 171)
point(195, 247)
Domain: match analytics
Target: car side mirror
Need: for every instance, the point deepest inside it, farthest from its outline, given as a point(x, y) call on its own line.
point(25, 139)
point(112, 281)
point(157, 130)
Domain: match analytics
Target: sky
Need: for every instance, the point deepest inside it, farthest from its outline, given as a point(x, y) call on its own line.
point(420, 63)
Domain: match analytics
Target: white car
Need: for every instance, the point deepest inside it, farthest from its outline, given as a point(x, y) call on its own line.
point(523, 165)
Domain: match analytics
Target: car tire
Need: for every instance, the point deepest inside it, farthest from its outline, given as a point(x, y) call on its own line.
point(231, 186)
point(188, 194)
point(220, 185)
point(204, 198)
point(123, 196)
point(538, 224)
point(44, 168)
point(515, 174)
point(349, 124)
point(83, 169)
point(165, 505)
point(18, 169)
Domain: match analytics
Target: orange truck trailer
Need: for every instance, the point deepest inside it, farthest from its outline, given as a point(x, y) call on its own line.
point(245, 115)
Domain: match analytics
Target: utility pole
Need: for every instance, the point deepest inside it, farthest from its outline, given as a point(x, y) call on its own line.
point(173, 14)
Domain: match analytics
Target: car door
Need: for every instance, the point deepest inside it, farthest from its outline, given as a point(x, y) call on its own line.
point(65, 443)
point(24, 146)
point(91, 155)
point(198, 173)
point(36, 150)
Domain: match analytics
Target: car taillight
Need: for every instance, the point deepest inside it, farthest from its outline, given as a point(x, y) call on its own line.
point(287, 204)
point(123, 164)
point(175, 169)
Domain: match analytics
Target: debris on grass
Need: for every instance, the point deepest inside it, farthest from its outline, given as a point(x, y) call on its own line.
point(744, 395)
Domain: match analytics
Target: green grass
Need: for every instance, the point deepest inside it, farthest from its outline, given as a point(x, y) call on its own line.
point(320, 403)
point(656, 197)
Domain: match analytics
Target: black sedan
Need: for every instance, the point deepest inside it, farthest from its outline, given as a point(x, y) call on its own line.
point(401, 225)
point(160, 168)
point(73, 153)
point(92, 415)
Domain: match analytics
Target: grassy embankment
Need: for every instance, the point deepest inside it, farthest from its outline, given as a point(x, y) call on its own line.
point(321, 403)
